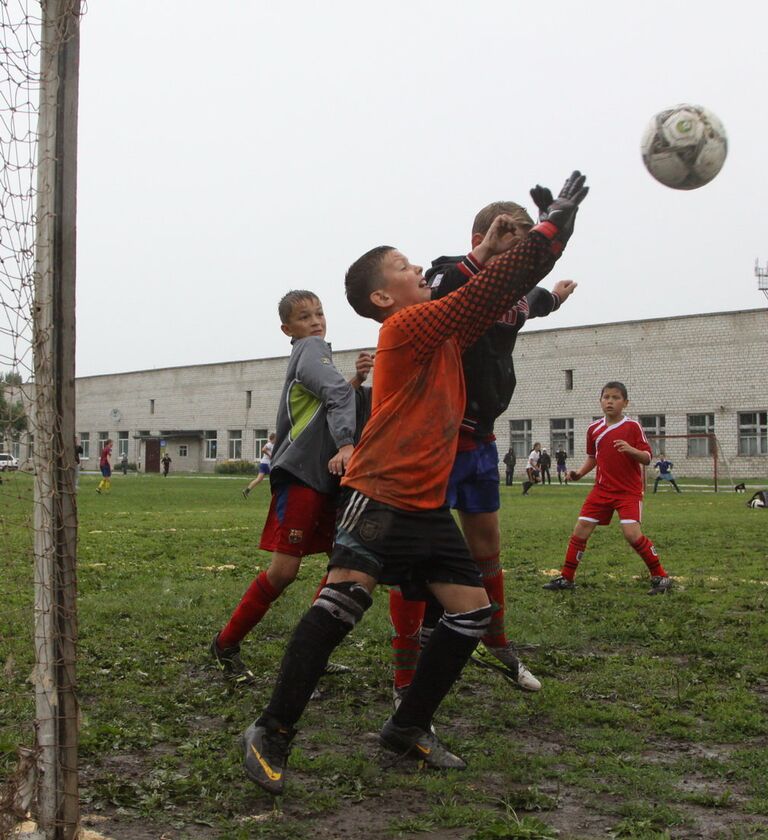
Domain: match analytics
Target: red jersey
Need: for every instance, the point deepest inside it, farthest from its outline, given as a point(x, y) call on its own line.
point(105, 453)
point(617, 472)
point(408, 446)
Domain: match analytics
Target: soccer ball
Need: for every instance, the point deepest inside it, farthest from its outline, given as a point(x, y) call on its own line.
point(757, 503)
point(684, 147)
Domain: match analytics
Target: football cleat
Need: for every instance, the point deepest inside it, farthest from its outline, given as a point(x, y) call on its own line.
point(515, 669)
point(420, 745)
point(559, 584)
point(660, 585)
point(231, 665)
point(266, 747)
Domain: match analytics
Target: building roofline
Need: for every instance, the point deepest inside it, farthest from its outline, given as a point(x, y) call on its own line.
point(352, 349)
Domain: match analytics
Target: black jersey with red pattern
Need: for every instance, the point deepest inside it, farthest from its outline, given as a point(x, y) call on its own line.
point(489, 371)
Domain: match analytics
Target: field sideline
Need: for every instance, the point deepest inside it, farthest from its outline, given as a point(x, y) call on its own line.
point(652, 721)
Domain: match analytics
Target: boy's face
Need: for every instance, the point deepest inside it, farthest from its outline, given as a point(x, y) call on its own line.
point(404, 284)
point(307, 318)
point(613, 402)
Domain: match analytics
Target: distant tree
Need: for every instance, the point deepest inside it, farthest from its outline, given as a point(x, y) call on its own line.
point(13, 418)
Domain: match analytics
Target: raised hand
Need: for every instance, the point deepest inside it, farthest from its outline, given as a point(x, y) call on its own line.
point(562, 211)
point(542, 198)
point(503, 234)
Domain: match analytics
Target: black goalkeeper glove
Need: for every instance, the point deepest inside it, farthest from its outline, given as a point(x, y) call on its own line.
point(562, 211)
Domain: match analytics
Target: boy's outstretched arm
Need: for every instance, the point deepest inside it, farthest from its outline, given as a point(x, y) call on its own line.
point(469, 311)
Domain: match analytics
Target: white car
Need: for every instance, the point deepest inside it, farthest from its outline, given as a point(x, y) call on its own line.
point(8, 462)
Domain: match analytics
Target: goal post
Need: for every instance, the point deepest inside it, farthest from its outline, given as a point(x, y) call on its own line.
point(692, 455)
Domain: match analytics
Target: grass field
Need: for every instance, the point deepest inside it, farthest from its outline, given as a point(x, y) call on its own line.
point(652, 720)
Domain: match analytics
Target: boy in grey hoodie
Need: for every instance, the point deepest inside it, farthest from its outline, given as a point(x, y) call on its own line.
point(318, 422)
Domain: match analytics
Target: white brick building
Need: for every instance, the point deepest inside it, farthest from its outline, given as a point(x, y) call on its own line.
point(691, 374)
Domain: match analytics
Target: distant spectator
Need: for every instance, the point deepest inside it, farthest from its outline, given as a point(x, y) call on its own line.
point(561, 458)
point(105, 466)
point(545, 462)
point(166, 462)
point(510, 459)
point(78, 456)
point(124, 463)
point(665, 473)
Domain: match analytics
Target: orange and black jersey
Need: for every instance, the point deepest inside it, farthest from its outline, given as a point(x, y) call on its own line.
point(408, 446)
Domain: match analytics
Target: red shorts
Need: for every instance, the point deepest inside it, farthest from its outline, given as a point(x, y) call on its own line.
point(600, 505)
point(300, 521)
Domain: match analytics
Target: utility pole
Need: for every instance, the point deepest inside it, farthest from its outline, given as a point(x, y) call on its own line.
point(55, 514)
point(762, 277)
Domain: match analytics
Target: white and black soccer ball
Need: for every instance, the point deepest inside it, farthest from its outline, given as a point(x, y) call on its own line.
point(684, 147)
point(757, 503)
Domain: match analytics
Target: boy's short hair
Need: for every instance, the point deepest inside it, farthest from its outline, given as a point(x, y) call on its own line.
point(363, 277)
point(619, 386)
point(290, 299)
point(484, 219)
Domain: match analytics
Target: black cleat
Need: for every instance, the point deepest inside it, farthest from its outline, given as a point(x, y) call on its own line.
point(231, 665)
point(266, 747)
point(660, 585)
point(559, 584)
point(423, 746)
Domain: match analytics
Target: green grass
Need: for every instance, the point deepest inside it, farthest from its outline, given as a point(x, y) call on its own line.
point(653, 719)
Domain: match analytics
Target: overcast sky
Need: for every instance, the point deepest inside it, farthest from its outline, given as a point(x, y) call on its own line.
point(232, 151)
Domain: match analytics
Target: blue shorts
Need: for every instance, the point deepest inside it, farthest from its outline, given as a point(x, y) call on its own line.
point(264, 469)
point(105, 470)
point(473, 486)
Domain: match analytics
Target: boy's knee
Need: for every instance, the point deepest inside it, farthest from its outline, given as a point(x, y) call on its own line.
point(346, 601)
point(474, 623)
point(283, 570)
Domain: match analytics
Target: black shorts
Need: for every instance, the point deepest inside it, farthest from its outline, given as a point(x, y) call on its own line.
point(401, 548)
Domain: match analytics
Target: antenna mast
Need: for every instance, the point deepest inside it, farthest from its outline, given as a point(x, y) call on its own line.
point(762, 277)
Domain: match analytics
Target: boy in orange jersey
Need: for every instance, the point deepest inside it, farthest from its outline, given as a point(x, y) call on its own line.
point(617, 446)
point(393, 525)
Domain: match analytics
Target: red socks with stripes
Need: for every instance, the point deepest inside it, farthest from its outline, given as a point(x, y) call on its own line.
point(645, 548)
point(573, 555)
point(249, 612)
point(406, 618)
point(493, 581)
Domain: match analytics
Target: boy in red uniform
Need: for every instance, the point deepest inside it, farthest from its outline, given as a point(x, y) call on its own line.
point(105, 466)
point(618, 447)
point(393, 525)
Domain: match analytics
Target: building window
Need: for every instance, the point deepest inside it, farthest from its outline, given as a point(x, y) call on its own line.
point(145, 434)
point(260, 437)
point(122, 444)
point(753, 433)
point(700, 424)
point(561, 434)
point(151, 406)
point(182, 450)
point(248, 399)
point(569, 380)
point(520, 437)
point(211, 446)
point(30, 446)
point(16, 448)
point(655, 428)
point(103, 438)
point(85, 442)
point(235, 444)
